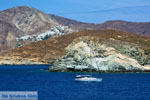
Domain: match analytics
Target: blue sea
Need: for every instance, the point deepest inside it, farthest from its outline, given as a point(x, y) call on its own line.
point(61, 85)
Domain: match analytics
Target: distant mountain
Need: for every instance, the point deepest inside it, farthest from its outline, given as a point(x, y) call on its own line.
point(142, 28)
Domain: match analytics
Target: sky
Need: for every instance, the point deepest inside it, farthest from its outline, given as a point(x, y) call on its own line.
point(92, 11)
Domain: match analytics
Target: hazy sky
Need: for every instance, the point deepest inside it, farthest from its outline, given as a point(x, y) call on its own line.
point(95, 11)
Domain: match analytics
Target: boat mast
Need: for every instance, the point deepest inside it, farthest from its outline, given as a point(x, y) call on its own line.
point(91, 60)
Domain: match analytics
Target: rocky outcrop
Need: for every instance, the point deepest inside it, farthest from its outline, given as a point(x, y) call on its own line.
point(110, 55)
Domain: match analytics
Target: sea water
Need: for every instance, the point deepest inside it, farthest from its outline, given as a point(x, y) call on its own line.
point(61, 85)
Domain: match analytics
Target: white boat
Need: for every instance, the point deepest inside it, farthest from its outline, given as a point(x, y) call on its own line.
point(88, 78)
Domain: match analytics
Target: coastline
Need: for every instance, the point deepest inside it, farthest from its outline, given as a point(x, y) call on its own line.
point(25, 64)
point(130, 71)
point(47, 69)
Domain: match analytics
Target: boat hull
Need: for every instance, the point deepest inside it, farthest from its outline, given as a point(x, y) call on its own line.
point(91, 79)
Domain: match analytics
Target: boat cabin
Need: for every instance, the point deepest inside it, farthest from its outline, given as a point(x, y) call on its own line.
point(82, 76)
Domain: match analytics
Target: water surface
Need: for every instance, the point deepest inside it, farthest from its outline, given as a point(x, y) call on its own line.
point(61, 86)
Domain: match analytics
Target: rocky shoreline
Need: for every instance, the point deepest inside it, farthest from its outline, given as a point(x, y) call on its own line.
point(88, 71)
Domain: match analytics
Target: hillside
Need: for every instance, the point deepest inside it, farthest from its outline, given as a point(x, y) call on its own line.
point(47, 51)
